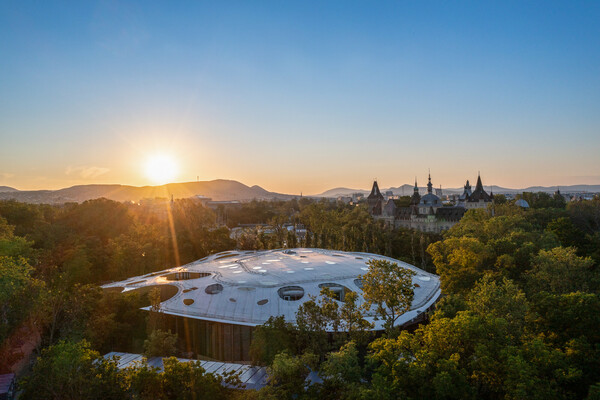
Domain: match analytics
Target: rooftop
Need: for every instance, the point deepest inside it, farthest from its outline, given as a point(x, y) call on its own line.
point(248, 287)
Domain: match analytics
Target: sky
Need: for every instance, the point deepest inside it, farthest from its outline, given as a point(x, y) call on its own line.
point(299, 96)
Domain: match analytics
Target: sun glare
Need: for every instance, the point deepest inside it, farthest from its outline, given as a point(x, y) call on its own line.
point(160, 168)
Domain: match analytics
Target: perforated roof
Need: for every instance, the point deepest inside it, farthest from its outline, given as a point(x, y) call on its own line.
point(246, 288)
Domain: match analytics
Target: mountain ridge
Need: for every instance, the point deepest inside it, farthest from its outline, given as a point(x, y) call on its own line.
point(218, 190)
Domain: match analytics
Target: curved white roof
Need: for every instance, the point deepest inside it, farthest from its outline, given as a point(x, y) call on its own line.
point(522, 203)
point(247, 287)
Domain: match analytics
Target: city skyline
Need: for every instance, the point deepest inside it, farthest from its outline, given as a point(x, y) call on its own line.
point(300, 97)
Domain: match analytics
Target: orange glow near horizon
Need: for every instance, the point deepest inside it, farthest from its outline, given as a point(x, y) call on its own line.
point(160, 168)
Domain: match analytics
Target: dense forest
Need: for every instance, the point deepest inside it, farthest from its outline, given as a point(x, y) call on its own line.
point(519, 317)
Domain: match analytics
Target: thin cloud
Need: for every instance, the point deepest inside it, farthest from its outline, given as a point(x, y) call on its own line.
point(86, 172)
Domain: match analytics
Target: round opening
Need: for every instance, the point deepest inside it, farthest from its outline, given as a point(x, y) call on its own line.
point(359, 283)
point(338, 291)
point(214, 288)
point(188, 302)
point(185, 275)
point(262, 302)
point(189, 290)
point(291, 293)
point(231, 299)
point(225, 256)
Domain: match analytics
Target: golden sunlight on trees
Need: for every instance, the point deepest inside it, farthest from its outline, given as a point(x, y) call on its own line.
point(389, 287)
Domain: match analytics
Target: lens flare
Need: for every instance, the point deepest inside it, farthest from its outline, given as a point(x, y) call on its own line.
point(160, 168)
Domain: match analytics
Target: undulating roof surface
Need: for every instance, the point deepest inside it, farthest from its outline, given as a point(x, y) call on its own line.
point(247, 287)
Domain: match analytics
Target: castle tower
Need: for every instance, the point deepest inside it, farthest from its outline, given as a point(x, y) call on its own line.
point(375, 200)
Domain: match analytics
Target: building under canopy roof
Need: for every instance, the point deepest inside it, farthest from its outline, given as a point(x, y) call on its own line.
point(237, 290)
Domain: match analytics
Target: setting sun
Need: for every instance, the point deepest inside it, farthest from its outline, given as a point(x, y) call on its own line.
point(160, 168)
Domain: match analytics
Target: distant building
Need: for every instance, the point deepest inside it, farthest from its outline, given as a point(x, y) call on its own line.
point(345, 199)
point(522, 203)
point(375, 200)
point(427, 213)
point(476, 199)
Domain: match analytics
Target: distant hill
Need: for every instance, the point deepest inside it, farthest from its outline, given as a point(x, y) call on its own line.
point(4, 189)
point(341, 191)
point(219, 189)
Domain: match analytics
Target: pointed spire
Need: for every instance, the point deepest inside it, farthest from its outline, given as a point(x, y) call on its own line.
point(479, 185)
point(429, 185)
point(375, 193)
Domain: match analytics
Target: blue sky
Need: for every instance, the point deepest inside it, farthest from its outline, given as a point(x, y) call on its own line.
point(300, 96)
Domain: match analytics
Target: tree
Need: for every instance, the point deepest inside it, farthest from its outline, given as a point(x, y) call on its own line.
point(561, 271)
point(271, 338)
point(389, 287)
point(160, 343)
point(287, 375)
point(71, 371)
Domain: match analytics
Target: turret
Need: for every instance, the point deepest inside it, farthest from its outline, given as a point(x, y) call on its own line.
point(429, 185)
point(416, 197)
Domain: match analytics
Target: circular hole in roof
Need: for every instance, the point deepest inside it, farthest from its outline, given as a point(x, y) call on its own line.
point(247, 288)
point(425, 278)
point(291, 293)
point(358, 258)
point(338, 291)
point(256, 267)
point(417, 285)
point(185, 275)
point(190, 289)
point(188, 302)
point(215, 288)
point(309, 269)
point(330, 262)
point(231, 299)
point(262, 302)
point(237, 272)
point(225, 256)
